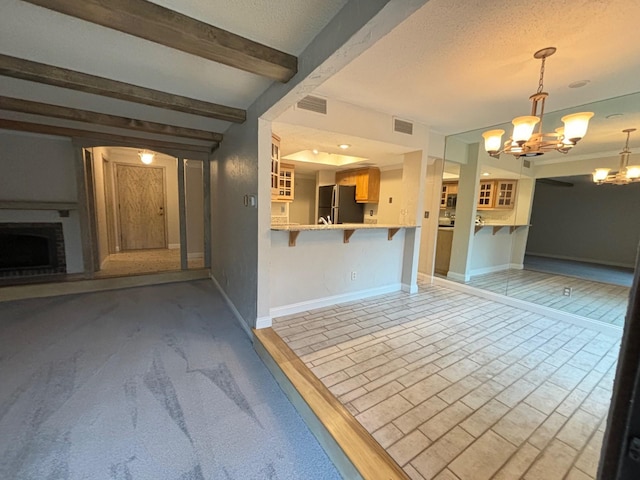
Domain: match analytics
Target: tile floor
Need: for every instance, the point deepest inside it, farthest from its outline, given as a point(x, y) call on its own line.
point(456, 387)
point(144, 261)
point(598, 301)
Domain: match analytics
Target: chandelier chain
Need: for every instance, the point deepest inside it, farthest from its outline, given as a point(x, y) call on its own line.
point(540, 86)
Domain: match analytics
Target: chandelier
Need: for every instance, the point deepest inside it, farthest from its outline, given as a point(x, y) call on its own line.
point(625, 174)
point(524, 141)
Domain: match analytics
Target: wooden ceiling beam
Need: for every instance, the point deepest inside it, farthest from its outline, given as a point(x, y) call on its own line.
point(110, 138)
point(166, 27)
point(62, 77)
point(75, 114)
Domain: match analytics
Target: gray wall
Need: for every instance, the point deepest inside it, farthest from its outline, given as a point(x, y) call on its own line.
point(587, 222)
point(240, 235)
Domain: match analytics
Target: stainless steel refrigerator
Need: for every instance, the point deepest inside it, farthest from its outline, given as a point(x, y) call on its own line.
point(338, 202)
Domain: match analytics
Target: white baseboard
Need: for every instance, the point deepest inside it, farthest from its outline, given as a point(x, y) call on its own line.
point(581, 259)
point(532, 307)
point(496, 268)
point(458, 277)
point(194, 255)
point(233, 308)
point(263, 322)
point(410, 288)
point(332, 300)
point(173, 246)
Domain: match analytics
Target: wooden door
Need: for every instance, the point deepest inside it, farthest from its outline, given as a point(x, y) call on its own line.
point(141, 207)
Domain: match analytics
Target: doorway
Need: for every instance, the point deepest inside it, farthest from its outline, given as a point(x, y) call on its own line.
point(141, 207)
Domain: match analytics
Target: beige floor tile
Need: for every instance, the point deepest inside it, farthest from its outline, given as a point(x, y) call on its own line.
point(553, 464)
point(426, 388)
point(482, 458)
point(412, 472)
point(576, 474)
point(420, 414)
point(545, 432)
point(332, 366)
point(383, 413)
point(408, 447)
point(459, 370)
point(376, 396)
point(459, 389)
point(518, 463)
point(482, 419)
point(481, 395)
point(446, 474)
point(445, 420)
point(435, 458)
point(590, 457)
point(546, 397)
point(578, 429)
point(388, 435)
point(418, 374)
point(516, 392)
point(518, 425)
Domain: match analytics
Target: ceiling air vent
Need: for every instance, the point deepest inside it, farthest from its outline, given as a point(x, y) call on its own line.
point(313, 104)
point(526, 163)
point(402, 126)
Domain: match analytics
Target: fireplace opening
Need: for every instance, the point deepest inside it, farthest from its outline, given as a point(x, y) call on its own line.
point(28, 249)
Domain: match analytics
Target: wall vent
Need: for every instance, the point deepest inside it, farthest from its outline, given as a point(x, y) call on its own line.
point(402, 126)
point(313, 104)
point(526, 163)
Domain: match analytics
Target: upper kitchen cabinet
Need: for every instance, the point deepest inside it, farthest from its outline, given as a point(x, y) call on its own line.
point(448, 195)
point(366, 180)
point(275, 166)
point(286, 181)
point(497, 194)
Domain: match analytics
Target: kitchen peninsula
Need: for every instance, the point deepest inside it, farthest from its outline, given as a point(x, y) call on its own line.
point(347, 228)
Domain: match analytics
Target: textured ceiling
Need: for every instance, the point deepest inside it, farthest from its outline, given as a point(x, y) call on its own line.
point(458, 65)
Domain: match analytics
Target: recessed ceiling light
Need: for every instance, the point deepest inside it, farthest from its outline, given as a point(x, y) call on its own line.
point(315, 151)
point(613, 115)
point(485, 174)
point(578, 83)
point(344, 146)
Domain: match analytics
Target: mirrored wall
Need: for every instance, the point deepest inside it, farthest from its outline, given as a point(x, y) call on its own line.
point(538, 228)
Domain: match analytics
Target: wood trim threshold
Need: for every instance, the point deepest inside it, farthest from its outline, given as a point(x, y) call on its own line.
point(352, 449)
point(53, 289)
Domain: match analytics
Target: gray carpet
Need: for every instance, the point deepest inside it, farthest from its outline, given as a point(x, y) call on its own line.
point(587, 271)
point(148, 383)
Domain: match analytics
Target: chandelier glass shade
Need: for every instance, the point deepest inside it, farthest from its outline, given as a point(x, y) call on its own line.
point(626, 173)
point(525, 140)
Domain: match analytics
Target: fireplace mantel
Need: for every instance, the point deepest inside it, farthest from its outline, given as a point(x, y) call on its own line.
point(27, 205)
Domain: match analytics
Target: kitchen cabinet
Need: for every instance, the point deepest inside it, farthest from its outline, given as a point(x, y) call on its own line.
point(497, 194)
point(286, 181)
point(443, 250)
point(366, 180)
point(275, 166)
point(449, 189)
point(505, 193)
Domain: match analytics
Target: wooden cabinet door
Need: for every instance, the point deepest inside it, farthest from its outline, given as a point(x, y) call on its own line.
point(362, 186)
point(286, 182)
point(505, 193)
point(275, 166)
point(486, 195)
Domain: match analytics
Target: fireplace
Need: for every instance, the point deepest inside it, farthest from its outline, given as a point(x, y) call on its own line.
point(28, 249)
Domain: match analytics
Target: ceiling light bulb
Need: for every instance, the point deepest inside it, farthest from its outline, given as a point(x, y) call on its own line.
point(493, 141)
point(146, 157)
point(485, 174)
point(344, 146)
point(523, 128)
point(575, 125)
point(315, 151)
point(600, 174)
point(633, 172)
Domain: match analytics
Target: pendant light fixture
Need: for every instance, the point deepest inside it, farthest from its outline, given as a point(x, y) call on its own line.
point(146, 156)
point(524, 141)
point(626, 173)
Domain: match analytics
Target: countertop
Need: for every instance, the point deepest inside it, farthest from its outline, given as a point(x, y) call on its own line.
point(338, 226)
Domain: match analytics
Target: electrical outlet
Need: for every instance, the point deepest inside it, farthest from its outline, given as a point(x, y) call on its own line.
point(426, 214)
point(390, 199)
point(566, 291)
point(354, 275)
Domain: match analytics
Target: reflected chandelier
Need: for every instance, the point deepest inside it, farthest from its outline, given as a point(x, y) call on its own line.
point(523, 141)
point(625, 174)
